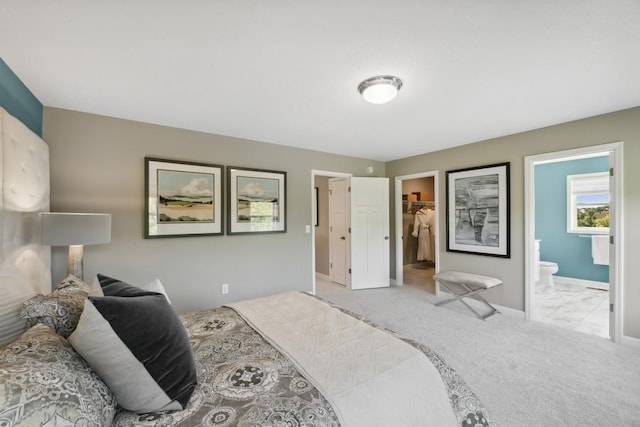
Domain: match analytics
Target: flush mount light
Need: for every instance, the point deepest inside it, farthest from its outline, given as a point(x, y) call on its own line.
point(380, 89)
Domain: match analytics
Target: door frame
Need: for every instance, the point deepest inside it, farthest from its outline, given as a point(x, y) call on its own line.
point(616, 277)
point(314, 173)
point(399, 228)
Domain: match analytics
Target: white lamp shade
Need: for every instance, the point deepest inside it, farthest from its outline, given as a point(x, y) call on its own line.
point(65, 229)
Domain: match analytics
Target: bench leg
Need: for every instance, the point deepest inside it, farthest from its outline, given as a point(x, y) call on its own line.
point(469, 293)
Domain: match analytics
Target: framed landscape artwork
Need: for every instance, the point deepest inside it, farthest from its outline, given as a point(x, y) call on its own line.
point(182, 198)
point(478, 210)
point(257, 201)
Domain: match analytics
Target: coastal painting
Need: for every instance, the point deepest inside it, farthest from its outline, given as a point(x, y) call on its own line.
point(183, 198)
point(257, 201)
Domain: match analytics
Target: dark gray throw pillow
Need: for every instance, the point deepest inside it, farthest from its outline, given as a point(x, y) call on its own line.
point(137, 343)
point(117, 288)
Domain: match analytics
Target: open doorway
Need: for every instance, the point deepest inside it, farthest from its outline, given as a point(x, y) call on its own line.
point(417, 230)
point(321, 254)
point(573, 241)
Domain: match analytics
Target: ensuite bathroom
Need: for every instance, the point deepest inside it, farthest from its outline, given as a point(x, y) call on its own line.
point(572, 244)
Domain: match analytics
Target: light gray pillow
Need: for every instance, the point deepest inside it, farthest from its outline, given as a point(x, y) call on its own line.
point(14, 290)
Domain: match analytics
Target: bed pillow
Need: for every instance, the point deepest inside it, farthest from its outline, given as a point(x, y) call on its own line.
point(139, 346)
point(14, 290)
point(97, 290)
point(59, 310)
point(43, 381)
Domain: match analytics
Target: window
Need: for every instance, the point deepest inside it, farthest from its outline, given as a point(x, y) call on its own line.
point(588, 203)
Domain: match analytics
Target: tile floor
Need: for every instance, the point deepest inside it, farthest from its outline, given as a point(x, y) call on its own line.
point(574, 307)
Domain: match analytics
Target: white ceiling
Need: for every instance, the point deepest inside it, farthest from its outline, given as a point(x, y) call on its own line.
point(286, 72)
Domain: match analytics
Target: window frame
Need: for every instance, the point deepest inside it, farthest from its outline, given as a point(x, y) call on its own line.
point(572, 226)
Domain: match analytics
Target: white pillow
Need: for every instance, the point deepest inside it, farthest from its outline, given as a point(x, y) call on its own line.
point(153, 286)
point(15, 289)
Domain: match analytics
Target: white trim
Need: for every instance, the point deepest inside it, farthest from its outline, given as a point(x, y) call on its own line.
point(572, 206)
point(617, 270)
point(618, 232)
point(630, 342)
point(581, 282)
point(314, 173)
point(399, 280)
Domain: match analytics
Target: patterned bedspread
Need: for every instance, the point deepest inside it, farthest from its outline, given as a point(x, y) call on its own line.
point(244, 381)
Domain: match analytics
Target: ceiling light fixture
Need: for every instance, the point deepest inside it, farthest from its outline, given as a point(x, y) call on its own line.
point(380, 89)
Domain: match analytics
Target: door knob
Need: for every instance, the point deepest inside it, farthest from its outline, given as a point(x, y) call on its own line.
point(386, 237)
point(342, 238)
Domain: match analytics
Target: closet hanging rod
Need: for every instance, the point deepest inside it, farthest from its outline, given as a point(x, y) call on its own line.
point(419, 202)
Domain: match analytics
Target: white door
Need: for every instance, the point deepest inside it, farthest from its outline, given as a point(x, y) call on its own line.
point(338, 230)
point(369, 232)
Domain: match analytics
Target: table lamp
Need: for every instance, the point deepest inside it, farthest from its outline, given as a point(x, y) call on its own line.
point(75, 230)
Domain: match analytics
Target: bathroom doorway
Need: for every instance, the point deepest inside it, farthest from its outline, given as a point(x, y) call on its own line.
point(417, 230)
point(573, 201)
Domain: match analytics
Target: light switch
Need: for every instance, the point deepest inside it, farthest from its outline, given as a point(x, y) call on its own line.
point(307, 229)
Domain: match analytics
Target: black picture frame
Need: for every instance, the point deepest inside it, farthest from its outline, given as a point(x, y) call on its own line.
point(478, 210)
point(257, 201)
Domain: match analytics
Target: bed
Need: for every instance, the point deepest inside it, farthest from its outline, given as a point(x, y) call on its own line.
point(113, 353)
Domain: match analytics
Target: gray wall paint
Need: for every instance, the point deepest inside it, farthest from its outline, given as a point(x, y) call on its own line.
point(97, 165)
point(614, 127)
point(322, 230)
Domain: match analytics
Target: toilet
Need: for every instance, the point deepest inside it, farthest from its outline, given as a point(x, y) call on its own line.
point(547, 270)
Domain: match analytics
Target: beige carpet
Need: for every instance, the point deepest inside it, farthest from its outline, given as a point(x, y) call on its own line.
point(526, 373)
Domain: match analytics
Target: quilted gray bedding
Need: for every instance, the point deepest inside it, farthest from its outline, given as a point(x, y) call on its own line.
point(244, 381)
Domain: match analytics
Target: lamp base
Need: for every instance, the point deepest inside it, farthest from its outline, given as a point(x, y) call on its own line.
point(74, 262)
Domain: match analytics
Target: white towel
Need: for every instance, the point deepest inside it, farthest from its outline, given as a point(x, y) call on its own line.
point(600, 249)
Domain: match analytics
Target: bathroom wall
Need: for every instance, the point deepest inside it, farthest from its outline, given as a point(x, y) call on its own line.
point(571, 252)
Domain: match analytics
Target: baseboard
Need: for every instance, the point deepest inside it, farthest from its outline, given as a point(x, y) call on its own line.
point(581, 282)
point(510, 312)
point(631, 342)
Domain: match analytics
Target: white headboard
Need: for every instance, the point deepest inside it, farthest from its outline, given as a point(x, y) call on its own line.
point(24, 193)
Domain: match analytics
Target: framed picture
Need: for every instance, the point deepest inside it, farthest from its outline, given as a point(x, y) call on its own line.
point(478, 210)
point(257, 201)
point(182, 198)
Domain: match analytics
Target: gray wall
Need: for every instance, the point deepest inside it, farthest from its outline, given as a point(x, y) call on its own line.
point(97, 165)
point(620, 126)
point(322, 230)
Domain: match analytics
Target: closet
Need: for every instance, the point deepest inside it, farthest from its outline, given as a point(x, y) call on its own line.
point(419, 233)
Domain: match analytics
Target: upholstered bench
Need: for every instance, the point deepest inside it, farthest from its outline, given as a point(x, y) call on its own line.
point(472, 285)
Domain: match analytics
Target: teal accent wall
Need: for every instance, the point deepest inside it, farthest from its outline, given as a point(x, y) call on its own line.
point(571, 252)
point(18, 100)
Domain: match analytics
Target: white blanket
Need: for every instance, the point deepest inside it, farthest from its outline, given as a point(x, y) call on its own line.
point(370, 377)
